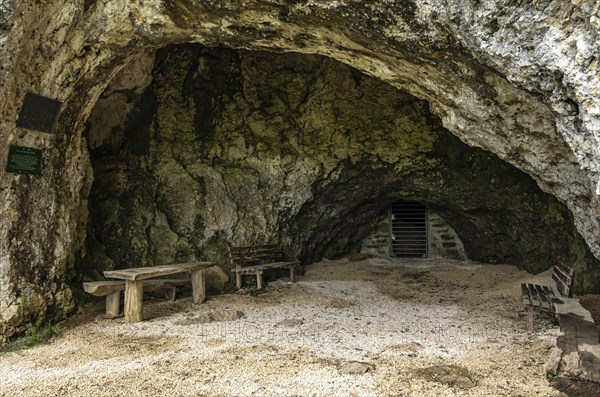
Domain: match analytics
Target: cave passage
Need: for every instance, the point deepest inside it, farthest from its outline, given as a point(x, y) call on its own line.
point(219, 147)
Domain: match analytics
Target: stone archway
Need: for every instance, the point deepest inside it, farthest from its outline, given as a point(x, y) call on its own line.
point(487, 74)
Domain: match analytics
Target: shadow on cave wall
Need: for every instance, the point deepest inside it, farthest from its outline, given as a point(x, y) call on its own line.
point(227, 147)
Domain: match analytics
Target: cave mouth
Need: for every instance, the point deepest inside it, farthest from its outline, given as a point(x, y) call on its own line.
point(196, 149)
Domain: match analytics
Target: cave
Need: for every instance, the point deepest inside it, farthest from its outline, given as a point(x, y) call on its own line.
point(186, 126)
point(208, 148)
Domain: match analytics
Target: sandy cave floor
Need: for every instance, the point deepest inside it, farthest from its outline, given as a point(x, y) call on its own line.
point(427, 327)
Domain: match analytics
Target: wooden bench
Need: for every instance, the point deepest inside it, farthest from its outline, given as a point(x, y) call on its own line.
point(545, 297)
point(255, 260)
point(134, 284)
point(112, 290)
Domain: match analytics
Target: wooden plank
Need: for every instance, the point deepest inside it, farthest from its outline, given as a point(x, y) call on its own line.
point(134, 294)
point(244, 253)
point(245, 271)
point(265, 266)
point(535, 299)
point(555, 291)
point(562, 287)
point(563, 276)
point(570, 271)
point(102, 288)
point(254, 248)
point(544, 301)
point(142, 273)
point(548, 291)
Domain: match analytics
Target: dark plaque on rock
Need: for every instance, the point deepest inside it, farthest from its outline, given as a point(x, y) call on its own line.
point(38, 112)
point(24, 160)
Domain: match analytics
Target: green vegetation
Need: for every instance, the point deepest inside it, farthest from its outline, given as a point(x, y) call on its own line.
point(25, 303)
point(34, 336)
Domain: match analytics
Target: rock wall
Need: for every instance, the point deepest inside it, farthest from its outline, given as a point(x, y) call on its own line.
point(518, 79)
point(228, 147)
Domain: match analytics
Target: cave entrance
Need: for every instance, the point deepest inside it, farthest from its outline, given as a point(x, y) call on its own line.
point(207, 148)
point(409, 231)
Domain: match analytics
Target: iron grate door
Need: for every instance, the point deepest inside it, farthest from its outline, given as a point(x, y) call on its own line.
point(409, 229)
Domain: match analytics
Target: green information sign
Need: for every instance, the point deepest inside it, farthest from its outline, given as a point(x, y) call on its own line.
point(24, 160)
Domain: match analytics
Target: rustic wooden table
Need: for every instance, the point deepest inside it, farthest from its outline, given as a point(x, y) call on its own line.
point(134, 284)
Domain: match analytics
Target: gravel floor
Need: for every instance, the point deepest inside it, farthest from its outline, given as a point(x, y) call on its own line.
point(370, 327)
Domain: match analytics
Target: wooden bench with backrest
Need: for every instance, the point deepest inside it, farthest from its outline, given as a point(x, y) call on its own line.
point(545, 297)
point(255, 260)
point(112, 290)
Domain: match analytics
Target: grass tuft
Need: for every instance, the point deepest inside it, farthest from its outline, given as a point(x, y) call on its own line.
point(34, 336)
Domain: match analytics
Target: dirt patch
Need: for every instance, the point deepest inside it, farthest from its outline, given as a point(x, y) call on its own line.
point(209, 317)
point(340, 303)
point(111, 347)
point(416, 277)
point(450, 375)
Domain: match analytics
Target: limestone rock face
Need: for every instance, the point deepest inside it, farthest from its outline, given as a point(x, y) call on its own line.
point(229, 147)
point(521, 80)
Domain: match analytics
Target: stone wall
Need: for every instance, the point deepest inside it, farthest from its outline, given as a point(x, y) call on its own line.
point(443, 239)
point(377, 241)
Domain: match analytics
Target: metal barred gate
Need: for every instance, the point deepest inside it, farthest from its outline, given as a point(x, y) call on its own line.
point(409, 231)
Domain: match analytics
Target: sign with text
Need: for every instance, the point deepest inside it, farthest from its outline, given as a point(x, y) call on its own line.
point(38, 112)
point(24, 160)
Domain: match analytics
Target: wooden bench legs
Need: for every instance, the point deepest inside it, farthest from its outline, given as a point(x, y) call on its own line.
point(259, 273)
point(529, 310)
point(198, 286)
point(259, 280)
point(134, 296)
point(113, 303)
point(238, 280)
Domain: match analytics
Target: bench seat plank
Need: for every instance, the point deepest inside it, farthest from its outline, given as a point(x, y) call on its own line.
point(142, 273)
point(103, 288)
point(266, 266)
